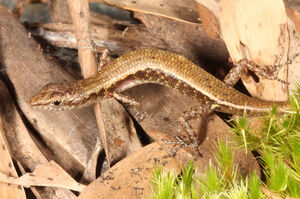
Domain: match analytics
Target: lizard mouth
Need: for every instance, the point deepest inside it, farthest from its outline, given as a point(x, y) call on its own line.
point(52, 108)
point(38, 105)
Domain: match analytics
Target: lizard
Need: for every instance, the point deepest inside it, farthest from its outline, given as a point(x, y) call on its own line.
point(153, 66)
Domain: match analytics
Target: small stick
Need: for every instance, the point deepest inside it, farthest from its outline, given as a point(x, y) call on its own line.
point(80, 16)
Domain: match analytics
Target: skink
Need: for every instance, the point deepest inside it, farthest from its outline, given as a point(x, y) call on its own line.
point(149, 66)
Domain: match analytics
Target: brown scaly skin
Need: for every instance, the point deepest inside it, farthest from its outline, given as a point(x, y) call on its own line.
point(155, 66)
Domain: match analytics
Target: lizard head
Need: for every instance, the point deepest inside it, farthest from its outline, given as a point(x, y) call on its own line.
point(56, 96)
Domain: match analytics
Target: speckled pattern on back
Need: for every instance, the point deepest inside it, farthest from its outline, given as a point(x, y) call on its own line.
point(150, 66)
point(175, 71)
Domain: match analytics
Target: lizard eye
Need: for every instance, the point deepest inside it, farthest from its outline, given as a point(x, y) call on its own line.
point(56, 102)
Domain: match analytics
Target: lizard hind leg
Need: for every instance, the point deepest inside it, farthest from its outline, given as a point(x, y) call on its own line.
point(269, 72)
point(199, 111)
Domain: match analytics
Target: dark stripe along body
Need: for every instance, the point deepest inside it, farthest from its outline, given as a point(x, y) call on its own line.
point(174, 71)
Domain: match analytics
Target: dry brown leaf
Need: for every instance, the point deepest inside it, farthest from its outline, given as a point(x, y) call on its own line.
point(256, 24)
point(184, 10)
point(165, 142)
point(189, 40)
point(89, 174)
point(131, 177)
point(123, 139)
point(67, 134)
point(19, 53)
point(270, 194)
point(8, 191)
point(213, 6)
point(256, 30)
point(209, 21)
point(22, 147)
point(294, 16)
point(50, 175)
point(294, 70)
